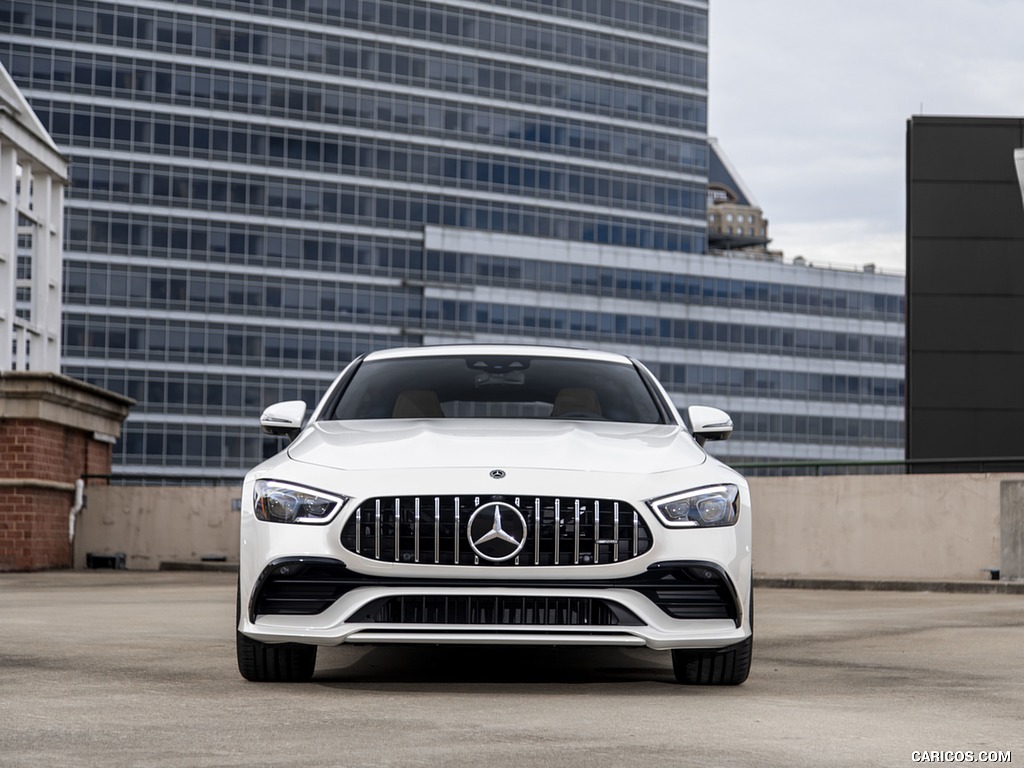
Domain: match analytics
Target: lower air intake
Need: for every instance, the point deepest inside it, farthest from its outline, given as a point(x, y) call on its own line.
point(497, 611)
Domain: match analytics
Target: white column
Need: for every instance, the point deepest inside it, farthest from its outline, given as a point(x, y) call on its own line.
point(44, 354)
point(8, 251)
point(55, 236)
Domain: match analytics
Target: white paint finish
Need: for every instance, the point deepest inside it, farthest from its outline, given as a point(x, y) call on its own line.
point(598, 447)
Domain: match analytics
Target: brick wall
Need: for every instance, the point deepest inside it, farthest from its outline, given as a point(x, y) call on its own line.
point(48, 457)
point(53, 430)
point(34, 529)
point(41, 450)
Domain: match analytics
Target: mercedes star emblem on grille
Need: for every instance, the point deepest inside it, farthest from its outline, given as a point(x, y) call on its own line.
point(497, 474)
point(496, 531)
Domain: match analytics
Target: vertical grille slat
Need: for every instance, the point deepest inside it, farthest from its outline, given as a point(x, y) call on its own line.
point(536, 530)
point(559, 530)
point(397, 524)
point(457, 532)
point(576, 534)
point(437, 529)
point(376, 538)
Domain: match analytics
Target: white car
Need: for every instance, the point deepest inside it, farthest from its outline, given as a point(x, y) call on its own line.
point(495, 494)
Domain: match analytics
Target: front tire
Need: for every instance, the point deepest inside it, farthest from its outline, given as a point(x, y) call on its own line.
point(723, 666)
point(261, 662)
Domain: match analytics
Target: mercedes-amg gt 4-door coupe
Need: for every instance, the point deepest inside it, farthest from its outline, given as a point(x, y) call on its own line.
point(498, 495)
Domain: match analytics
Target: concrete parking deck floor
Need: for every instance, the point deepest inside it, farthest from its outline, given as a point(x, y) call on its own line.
point(126, 668)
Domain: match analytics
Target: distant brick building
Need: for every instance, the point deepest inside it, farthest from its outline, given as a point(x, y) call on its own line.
point(735, 220)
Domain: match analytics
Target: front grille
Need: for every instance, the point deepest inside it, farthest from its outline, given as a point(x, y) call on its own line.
point(433, 529)
point(498, 610)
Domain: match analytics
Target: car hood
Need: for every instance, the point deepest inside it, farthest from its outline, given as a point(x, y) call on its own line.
point(496, 443)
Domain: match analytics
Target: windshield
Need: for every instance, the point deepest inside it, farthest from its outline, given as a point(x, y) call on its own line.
point(497, 386)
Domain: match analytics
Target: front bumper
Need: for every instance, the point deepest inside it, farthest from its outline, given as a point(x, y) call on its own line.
point(319, 601)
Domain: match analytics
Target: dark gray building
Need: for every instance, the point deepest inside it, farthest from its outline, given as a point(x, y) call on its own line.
point(965, 288)
point(263, 189)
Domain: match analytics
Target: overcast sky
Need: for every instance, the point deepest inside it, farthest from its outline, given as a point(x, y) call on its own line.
point(809, 99)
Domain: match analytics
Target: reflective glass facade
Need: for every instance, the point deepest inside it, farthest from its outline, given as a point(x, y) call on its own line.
point(263, 190)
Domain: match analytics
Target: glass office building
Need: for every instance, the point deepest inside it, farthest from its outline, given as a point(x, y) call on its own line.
point(263, 190)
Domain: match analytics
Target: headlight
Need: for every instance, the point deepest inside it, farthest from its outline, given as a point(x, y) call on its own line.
point(715, 506)
point(277, 502)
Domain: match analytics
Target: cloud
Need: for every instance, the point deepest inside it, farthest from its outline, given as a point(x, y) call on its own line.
point(843, 242)
point(810, 101)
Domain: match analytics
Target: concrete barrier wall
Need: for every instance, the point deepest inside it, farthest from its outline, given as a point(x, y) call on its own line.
point(944, 527)
point(155, 524)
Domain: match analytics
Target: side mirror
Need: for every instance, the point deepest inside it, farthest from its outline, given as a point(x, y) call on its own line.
point(709, 423)
point(284, 419)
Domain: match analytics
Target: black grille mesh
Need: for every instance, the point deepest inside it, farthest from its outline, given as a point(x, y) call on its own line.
point(496, 610)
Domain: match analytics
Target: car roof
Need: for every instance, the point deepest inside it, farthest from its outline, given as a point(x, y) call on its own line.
point(534, 350)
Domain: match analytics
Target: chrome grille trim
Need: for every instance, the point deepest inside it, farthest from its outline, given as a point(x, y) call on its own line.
point(536, 527)
point(457, 534)
point(616, 528)
point(432, 530)
point(376, 539)
point(437, 529)
point(576, 556)
point(558, 529)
